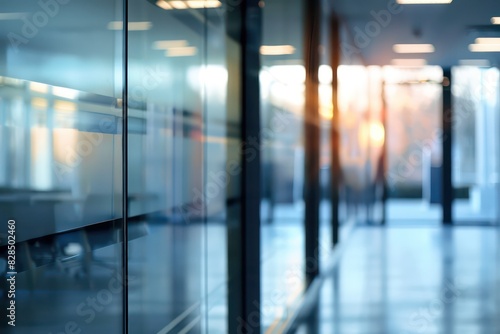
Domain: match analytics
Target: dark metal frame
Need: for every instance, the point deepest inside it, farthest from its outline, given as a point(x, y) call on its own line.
point(244, 316)
point(335, 170)
point(446, 173)
point(312, 133)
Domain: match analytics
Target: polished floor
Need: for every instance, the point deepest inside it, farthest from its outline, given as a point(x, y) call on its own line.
point(406, 280)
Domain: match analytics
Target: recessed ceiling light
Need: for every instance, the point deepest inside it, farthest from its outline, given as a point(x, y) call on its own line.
point(484, 47)
point(413, 48)
point(495, 20)
point(164, 45)
point(474, 62)
point(203, 3)
point(276, 50)
point(409, 62)
point(132, 26)
point(178, 4)
point(487, 40)
point(423, 2)
point(184, 51)
point(39, 87)
point(194, 4)
point(66, 93)
point(163, 4)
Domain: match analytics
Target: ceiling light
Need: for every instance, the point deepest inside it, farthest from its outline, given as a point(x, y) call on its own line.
point(163, 4)
point(409, 62)
point(487, 40)
point(204, 3)
point(137, 26)
point(474, 62)
point(39, 87)
point(495, 20)
point(164, 45)
point(132, 26)
point(66, 93)
point(484, 47)
point(178, 4)
point(196, 4)
point(413, 48)
point(423, 2)
point(184, 51)
point(212, 3)
point(275, 50)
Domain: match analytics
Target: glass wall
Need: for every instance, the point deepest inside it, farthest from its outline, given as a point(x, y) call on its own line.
point(120, 159)
point(362, 142)
point(413, 99)
point(177, 139)
point(325, 96)
point(61, 165)
point(282, 80)
point(475, 144)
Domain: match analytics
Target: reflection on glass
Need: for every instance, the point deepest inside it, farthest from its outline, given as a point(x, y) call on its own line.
point(60, 170)
point(282, 80)
point(177, 141)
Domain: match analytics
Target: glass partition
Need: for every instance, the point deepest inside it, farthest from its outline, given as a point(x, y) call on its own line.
point(282, 80)
point(177, 135)
point(475, 144)
point(61, 164)
point(413, 98)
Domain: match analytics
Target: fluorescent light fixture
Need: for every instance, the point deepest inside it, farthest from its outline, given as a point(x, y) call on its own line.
point(39, 87)
point(178, 4)
point(424, 2)
point(413, 48)
point(484, 47)
point(474, 62)
point(132, 26)
point(495, 20)
point(194, 4)
point(203, 3)
point(184, 51)
point(163, 4)
point(276, 50)
point(409, 62)
point(66, 93)
point(164, 45)
point(487, 40)
point(12, 16)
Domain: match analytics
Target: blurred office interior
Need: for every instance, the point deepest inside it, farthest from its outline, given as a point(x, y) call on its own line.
point(246, 166)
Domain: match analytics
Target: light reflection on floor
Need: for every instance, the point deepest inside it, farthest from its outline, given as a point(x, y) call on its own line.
point(413, 280)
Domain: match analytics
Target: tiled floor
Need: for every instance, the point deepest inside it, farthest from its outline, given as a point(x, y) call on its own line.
point(406, 280)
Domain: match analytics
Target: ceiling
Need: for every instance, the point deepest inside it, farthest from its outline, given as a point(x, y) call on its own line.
point(80, 29)
point(450, 28)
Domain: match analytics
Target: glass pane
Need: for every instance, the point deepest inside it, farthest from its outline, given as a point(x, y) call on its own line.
point(282, 80)
point(475, 144)
point(61, 170)
point(414, 112)
point(177, 159)
point(354, 106)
